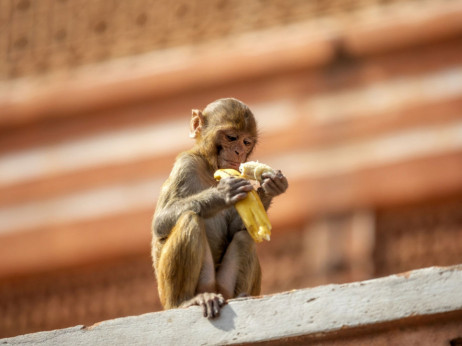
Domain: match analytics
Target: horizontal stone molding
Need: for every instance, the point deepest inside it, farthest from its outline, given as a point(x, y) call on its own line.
point(421, 297)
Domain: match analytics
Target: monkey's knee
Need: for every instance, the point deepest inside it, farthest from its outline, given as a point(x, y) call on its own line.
point(244, 240)
point(186, 236)
point(185, 231)
point(185, 240)
point(190, 225)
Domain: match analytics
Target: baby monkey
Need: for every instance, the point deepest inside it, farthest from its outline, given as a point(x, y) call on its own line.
point(201, 251)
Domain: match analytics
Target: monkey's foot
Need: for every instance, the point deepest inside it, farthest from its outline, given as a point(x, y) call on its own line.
point(211, 303)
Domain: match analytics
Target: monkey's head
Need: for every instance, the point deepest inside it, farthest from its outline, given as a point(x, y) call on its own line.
point(225, 133)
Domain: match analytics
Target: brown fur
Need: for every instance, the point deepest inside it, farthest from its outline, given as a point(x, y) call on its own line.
point(199, 242)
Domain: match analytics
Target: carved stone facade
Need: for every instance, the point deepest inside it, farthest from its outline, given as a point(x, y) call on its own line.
point(364, 121)
point(37, 37)
point(418, 236)
point(335, 249)
point(84, 295)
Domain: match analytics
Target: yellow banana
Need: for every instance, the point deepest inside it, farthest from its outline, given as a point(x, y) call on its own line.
point(250, 209)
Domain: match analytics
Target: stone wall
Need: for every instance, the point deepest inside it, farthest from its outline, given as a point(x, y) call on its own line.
point(422, 307)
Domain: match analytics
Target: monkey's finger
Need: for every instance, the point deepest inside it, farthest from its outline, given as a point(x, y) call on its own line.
point(204, 309)
point(239, 197)
point(221, 300)
point(201, 302)
point(232, 181)
point(274, 176)
point(275, 186)
point(210, 309)
point(239, 188)
point(231, 178)
point(216, 306)
point(281, 183)
point(240, 183)
point(270, 188)
point(278, 173)
point(244, 188)
point(270, 174)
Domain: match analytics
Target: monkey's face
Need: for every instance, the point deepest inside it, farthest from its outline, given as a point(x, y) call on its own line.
point(233, 148)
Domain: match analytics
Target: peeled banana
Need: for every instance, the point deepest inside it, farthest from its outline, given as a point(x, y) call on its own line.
point(250, 209)
point(254, 169)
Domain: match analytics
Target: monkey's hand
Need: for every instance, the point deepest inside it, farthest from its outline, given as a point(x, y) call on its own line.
point(234, 189)
point(274, 183)
point(211, 303)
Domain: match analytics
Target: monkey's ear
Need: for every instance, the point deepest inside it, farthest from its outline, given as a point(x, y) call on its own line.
point(197, 121)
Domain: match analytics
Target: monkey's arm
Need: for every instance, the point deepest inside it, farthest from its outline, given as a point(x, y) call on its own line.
point(205, 203)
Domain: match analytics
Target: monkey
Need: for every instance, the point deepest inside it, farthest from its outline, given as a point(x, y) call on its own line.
point(202, 255)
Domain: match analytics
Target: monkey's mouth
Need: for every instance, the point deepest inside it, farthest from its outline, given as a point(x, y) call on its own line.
point(233, 165)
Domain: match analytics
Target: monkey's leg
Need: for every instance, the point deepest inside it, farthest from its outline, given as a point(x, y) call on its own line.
point(239, 272)
point(207, 281)
point(185, 266)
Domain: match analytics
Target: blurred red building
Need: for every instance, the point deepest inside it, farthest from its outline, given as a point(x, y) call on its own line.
point(359, 102)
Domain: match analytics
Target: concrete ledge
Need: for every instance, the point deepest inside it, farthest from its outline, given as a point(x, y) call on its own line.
point(426, 298)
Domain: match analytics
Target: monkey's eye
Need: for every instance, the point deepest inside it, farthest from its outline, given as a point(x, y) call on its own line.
point(247, 143)
point(231, 138)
